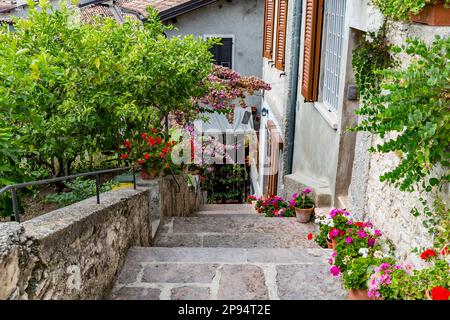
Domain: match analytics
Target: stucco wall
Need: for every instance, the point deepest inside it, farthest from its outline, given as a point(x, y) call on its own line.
point(242, 18)
point(371, 199)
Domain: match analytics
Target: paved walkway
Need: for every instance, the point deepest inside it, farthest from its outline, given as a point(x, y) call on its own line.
point(229, 252)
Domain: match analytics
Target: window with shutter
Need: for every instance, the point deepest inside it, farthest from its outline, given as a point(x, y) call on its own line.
point(311, 53)
point(269, 16)
point(281, 34)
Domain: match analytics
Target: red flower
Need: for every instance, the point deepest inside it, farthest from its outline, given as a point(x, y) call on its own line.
point(140, 161)
point(151, 142)
point(146, 156)
point(169, 144)
point(162, 155)
point(360, 224)
point(444, 251)
point(144, 136)
point(127, 144)
point(427, 254)
point(155, 130)
point(310, 236)
point(342, 233)
point(158, 140)
point(124, 156)
point(440, 293)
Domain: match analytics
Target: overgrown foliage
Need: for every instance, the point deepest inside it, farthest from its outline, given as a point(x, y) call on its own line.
point(67, 89)
point(412, 115)
point(403, 9)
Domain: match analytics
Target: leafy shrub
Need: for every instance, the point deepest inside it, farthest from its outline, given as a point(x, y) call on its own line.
point(80, 189)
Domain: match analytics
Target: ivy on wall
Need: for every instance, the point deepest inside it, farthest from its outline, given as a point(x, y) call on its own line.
point(412, 102)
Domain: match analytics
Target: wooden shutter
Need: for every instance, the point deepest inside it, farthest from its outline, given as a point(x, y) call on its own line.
point(311, 54)
point(269, 19)
point(281, 34)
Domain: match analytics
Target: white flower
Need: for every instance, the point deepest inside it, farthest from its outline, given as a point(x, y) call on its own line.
point(350, 272)
point(364, 252)
point(378, 254)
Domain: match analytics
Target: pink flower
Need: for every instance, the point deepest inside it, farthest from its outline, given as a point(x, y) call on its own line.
point(348, 240)
point(371, 242)
point(307, 190)
point(362, 234)
point(378, 233)
point(334, 254)
point(330, 261)
point(333, 233)
point(335, 271)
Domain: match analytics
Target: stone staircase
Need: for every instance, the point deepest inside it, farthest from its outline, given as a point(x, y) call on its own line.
point(228, 252)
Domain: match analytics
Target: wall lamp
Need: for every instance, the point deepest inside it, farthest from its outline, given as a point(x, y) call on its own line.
point(264, 112)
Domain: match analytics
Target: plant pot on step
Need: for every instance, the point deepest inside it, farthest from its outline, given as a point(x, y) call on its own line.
point(433, 15)
point(149, 174)
point(331, 243)
point(304, 215)
point(358, 294)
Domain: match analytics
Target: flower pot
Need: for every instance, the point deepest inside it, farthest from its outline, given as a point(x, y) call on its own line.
point(358, 294)
point(330, 244)
point(433, 15)
point(304, 215)
point(149, 174)
point(428, 294)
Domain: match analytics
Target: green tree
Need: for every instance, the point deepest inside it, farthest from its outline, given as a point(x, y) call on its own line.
point(68, 88)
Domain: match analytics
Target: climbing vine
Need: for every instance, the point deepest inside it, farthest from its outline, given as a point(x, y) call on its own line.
point(403, 9)
point(414, 105)
point(371, 54)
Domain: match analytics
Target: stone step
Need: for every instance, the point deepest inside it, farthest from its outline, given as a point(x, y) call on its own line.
point(230, 208)
point(226, 273)
point(251, 231)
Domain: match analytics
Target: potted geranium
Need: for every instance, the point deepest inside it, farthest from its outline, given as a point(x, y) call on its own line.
point(436, 276)
point(325, 224)
point(151, 152)
point(251, 199)
point(303, 204)
point(357, 274)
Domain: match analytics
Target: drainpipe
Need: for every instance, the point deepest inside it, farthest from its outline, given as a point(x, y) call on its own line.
point(293, 86)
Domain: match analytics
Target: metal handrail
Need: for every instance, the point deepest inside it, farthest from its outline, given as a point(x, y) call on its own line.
point(14, 187)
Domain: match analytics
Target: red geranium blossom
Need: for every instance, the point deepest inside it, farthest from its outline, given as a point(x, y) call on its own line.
point(144, 136)
point(444, 251)
point(146, 156)
point(155, 130)
point(440, 293)
point(140, 161)
point(158, 140)
point(124, 156)
point(360, 224)
point(310, 236)
point(427, 254)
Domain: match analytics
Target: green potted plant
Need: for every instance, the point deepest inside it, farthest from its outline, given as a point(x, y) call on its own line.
point(358, 272)
point(433, 13)
point(303, 204)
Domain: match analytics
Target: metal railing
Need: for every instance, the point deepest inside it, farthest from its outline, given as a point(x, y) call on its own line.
point(15, 187)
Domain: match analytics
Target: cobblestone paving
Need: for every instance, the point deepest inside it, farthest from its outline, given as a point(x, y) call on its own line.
point(222, 255)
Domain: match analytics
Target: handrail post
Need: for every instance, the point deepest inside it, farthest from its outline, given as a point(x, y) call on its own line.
point(15, 205)
point(97, 187)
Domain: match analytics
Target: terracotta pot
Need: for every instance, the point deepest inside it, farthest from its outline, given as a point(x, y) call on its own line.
point(304, 215)
point(358, 294)
point(428, 295)
point(330, 244)
point(433, 15)
point(149, 174)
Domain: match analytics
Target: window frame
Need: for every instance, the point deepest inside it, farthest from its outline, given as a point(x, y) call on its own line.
point(233, 44)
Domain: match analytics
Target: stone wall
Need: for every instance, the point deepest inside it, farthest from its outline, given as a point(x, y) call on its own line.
point(385, 205)
point(74, 252)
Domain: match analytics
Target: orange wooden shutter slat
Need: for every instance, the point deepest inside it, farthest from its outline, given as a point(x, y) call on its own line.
point(281, 34)
point(311, 52)
point(269, 13)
